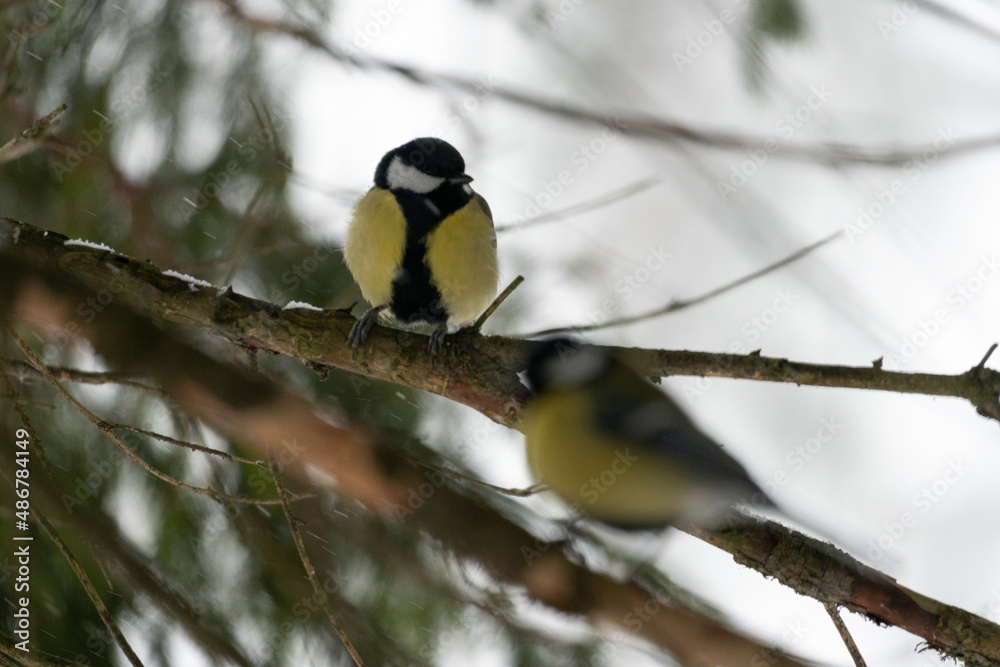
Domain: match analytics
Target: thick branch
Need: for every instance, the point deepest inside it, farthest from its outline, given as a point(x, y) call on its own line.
point(474, 370)
point(271, 420)
point(821, 571)
point(979, 385)
point(266, 417)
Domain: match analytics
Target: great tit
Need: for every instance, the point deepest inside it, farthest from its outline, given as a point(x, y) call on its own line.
point(421, 244)
point(618, 449)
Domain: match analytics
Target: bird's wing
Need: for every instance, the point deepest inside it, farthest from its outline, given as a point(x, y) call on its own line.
point(479, 199)
point(650, 419)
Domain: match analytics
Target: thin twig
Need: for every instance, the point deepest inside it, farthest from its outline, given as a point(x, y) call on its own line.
point(494, 361)
point(22, 370)
point(22, 414)
point(102, 610)
point(675, 306)
point(109, 430)
point(986, 357)
point(244, 233)
point(517, 493)
point(310, 570)
point(30, 138)
point(582, 207)
point(845, 634)
point(496, 302)
point(27, 400)
point(190, 445)
point(648, 127)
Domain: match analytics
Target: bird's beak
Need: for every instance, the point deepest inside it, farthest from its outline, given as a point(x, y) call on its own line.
point(461, 180)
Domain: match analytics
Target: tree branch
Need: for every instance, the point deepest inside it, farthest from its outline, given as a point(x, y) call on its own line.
point(310, 570)
point(22, 370)
point(31, 138)
point(681, 304)
point(821, 571)
point(477, 371)
point(845, 635)
point(368, 469)
point(647, 127)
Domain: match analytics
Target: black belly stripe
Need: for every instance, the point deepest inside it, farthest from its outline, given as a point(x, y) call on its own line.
point(414, 298)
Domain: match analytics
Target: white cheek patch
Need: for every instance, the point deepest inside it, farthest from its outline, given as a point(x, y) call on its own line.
point(581, 367)
point(404, 177)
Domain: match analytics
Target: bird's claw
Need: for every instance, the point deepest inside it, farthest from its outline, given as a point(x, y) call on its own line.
point(361, 329)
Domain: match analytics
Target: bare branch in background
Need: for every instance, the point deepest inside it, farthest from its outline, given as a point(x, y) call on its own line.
point(32, 138)
point(629, 124)
point(109, 430)
point(583, 207)
point(478, 371)
point(22, 371)
point(681, 304)
point(310, 570)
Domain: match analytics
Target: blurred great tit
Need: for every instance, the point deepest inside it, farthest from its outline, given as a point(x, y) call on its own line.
point(421, 244)
point(622, 452)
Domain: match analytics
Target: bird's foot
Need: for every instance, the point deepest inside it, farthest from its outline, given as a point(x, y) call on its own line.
point(361, 329)
point(437, 339)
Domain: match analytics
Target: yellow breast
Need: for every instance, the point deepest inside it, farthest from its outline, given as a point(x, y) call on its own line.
point(376, 238)
point(462, 257)
point(603, 477)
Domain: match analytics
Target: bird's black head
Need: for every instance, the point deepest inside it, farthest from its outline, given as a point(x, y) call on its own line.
point(563, 363)
point(421, 166)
